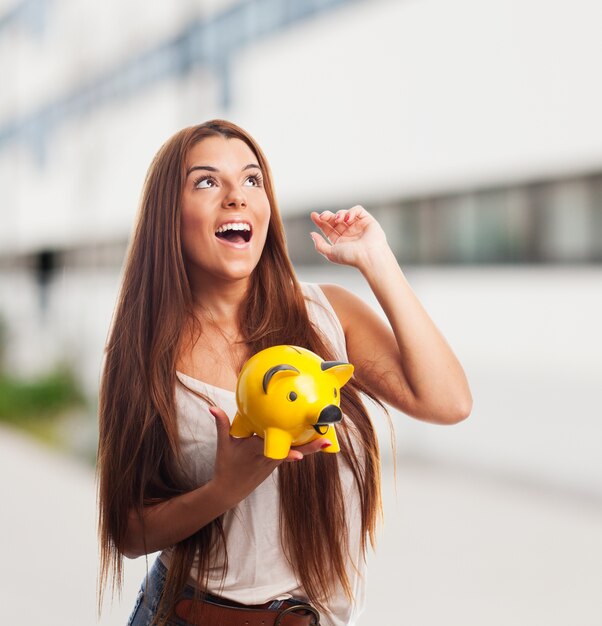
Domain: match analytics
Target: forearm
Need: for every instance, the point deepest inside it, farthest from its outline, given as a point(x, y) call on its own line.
point(432, 371)
point(165, 524)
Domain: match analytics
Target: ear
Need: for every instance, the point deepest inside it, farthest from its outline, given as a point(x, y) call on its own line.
point(341, 370)
point(278, 371)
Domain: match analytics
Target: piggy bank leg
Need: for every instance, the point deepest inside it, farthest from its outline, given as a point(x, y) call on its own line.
point(331, 435)
point(241, 427)
point(277, 443)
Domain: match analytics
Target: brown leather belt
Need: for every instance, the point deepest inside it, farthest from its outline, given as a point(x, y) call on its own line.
point(205, 613)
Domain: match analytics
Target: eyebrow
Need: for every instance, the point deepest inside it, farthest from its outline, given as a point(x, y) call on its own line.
point(210, 168)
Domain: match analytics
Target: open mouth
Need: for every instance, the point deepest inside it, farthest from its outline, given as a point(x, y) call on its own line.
point(235, 232)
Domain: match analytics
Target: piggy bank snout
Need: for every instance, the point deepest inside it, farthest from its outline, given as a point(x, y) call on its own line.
point(329, 415)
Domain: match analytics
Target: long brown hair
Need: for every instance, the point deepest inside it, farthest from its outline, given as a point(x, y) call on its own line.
point(138, 452)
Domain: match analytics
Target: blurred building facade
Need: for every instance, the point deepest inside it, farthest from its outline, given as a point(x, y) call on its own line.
point(470, 128)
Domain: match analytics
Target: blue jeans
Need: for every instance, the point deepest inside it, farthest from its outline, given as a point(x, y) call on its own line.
point(149, 596)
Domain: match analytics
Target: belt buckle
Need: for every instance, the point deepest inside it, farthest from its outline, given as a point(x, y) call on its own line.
point(299, 607)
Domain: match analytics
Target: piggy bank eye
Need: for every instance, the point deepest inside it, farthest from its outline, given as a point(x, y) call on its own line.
point(335, 392)
point(292, 396)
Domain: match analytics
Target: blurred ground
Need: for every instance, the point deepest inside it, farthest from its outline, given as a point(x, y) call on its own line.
point(458, 547)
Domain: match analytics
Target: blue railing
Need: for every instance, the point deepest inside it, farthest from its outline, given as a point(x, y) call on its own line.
point(210, 42)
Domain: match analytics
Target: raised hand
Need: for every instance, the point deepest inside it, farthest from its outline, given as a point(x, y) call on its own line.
point(352, 236)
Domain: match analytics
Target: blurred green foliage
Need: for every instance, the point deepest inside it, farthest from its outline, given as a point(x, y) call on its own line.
point(41, 398)
point(39, 404)
point(3, 341)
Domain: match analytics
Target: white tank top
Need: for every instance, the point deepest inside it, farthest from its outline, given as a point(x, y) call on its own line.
point(258, 571)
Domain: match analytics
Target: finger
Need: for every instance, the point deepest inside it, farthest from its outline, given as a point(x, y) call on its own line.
point(321, 246)
point(341, 221)
point(329, 228)
point(315, 218)
point(340, 216)
point(313, 446)
point(356, 212)
point(324, 220)
point(327, 216)
point(222, 423)
point(332, 225)
point(294, 455)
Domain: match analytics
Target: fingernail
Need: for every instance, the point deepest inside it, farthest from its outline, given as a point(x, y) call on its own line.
point(326, 444)
point(346, 217)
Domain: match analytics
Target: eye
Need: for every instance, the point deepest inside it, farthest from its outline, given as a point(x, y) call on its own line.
point(256, 178)
point(292, 396)
point(335, 392)
point(199, 182)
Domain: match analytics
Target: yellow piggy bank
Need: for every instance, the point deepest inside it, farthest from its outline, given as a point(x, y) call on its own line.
point(289, 396)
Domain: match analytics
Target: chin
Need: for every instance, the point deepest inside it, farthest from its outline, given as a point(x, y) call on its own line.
point(238, 273)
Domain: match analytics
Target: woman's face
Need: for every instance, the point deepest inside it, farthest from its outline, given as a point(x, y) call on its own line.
point(225, 210)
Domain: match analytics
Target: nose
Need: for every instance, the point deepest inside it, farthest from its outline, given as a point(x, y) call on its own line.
point(234, 199)
point(329, 415)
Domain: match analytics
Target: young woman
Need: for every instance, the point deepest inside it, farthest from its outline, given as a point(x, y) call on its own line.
point(208, 283)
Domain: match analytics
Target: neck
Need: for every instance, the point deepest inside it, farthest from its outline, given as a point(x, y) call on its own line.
point(219, 301)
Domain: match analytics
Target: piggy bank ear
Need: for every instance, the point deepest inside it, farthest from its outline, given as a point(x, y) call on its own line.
point(340, 369)
point(278, 371)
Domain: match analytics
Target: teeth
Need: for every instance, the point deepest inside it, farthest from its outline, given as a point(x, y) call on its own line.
point(234, 226)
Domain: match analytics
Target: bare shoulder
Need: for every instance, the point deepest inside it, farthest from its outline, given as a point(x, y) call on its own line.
point(335, 292)
point(346, 304)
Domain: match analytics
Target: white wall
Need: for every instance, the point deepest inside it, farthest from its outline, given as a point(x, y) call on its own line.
point(390, 98)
